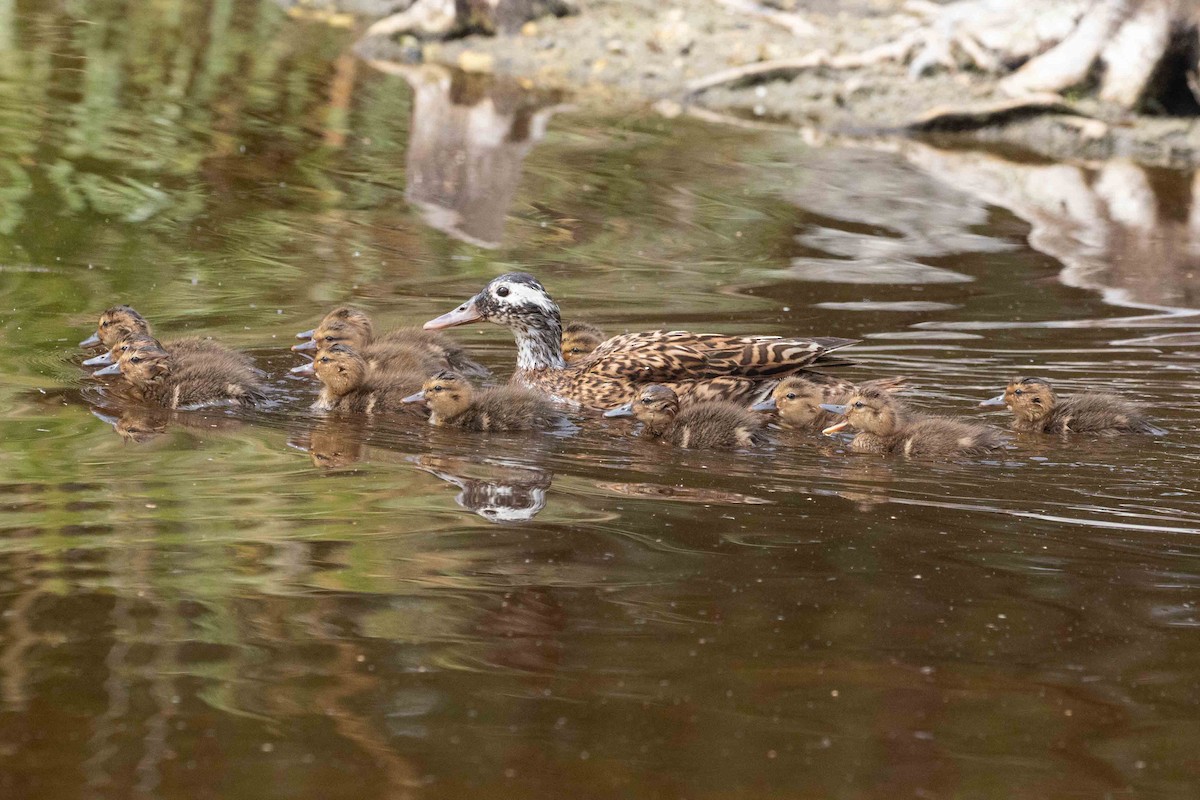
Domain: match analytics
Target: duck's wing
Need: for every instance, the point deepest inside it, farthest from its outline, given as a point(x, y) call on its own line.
point(654, 356)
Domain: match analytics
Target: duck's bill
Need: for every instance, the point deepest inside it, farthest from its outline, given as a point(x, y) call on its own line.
point(837, 426)
point(102, 360)
point(91, 341)
point(998, 400)
point(303, 369)
point(832, 409)
point(308, 334)
point(620, 411)
point(467, 313)
point(112, 369)
point(419, 397)
point(765, 405)
point(311, 344)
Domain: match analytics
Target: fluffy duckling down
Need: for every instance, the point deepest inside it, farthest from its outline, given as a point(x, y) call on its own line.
point(884, 425)
point(159, 377)
point(708, 424)
point(579, 340)
point(400, 350)
point(454, 403)
point(797, 400)
point(349, 384)
point(119, 324)
point(1037, 408)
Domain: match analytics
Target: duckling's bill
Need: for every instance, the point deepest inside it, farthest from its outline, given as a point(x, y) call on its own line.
point(308, 334)
point(466, 313)
point(419, 397)
point(837, 426)
point(311, 344)
point(91, 341)
point(998, 400)
point(111, 369)
point(102, 360)
point(621, 411)
point(765, 405)
point(303, 369)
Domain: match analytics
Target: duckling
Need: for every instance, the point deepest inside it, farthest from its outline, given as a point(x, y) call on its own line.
point(454, 403)
point(706, 424)
point(349, 384)
point(119, 323)
point(580, 339)
point(401, 350)
point(798, 398)
point(1037, 408)
point(160, 378)
point(885, 426)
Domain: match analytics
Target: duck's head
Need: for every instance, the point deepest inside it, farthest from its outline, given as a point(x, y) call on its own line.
point(447, 394)
point(340, 368)
point(143, 362)
point(343, 325)
point(797, 400)
point(1029, 399)
point(579, 339)
point(869, 409)
point(654, 405)
point(115, 324)
point(516, 300)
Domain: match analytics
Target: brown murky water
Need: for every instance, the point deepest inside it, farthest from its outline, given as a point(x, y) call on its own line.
point(267, 604)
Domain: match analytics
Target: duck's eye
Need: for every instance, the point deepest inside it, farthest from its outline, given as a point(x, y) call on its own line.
point(136, 360)
point(104, 324)
point(790, 395)
point(502, 291)
point(1018, 392)
point(329, 339)
point(439, 388)
point(858, 405)
point(324, 359)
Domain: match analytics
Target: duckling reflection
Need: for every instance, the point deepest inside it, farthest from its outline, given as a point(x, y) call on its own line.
point(140, 424)
point(507, 494)
point(1037, 408)
point(334, 442)
point(885, 425)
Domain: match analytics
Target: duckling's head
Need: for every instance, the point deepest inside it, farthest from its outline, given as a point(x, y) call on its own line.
point(655, 406)
point(143, 362)
point(516, 300)
point(870, 410)
point(797, 400)
point(344, 325)
point(115, 324)
point(1029, 399)
point(340, 368)
point(113, 355)
point(447, 394)
point(579, 339)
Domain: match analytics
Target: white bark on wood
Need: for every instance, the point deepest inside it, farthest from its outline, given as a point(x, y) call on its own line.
point(1134, 53)
point(1068, 63)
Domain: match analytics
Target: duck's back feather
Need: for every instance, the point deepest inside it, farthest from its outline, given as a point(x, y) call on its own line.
point(1098, 413)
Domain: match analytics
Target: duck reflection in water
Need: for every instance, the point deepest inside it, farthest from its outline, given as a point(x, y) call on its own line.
point(141, 424)
point(333, 442)
point(469, 136)
point(508, 493)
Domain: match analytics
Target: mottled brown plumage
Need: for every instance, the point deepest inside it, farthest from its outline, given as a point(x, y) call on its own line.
point(579, 340)
point(454, 403)
point(709, 424)
point(349, 384)
point(206, 378)
point(797, 399)
point(884, 425)
point(1037, 408)
point(400, 350)
point(695, 366)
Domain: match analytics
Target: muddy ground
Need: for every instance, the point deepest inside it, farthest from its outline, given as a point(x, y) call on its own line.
point(647, 52)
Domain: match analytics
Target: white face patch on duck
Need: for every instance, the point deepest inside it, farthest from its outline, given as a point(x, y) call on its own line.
point(517, 295)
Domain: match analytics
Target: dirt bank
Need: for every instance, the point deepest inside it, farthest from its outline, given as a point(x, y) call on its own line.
point(640, 51)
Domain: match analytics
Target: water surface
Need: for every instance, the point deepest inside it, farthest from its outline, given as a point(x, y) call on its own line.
point(267, 604)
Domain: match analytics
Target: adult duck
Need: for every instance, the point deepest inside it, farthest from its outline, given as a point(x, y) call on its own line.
point(696, 366)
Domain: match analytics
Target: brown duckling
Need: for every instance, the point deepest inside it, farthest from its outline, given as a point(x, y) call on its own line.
point(119, 323)
point(454, 403)
point(203, 379)
point(1037, 408)
point(798, 398)
point(349, 384)
point(711, 423)
point(580, 339)
point(401, 350)
point(884, 425)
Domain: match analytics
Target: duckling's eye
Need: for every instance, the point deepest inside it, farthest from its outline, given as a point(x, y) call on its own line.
point(1018, 392)
point(136, 360)
point(324, 359)
point(329, 339)
point(502, 291)
point(790, 395)
point(104, 324)
point(858, 405)
point(439, 388)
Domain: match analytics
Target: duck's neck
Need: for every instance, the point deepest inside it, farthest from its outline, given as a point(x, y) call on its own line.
point(539, 343)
